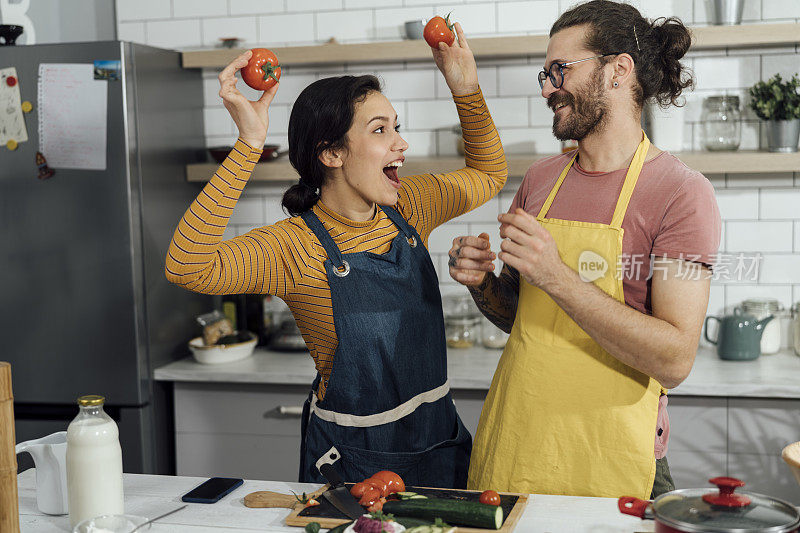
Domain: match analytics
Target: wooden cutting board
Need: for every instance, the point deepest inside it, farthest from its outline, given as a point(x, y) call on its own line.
point(267, 498)
point(327, 516)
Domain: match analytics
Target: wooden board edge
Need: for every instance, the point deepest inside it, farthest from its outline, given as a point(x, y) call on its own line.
point(516, 513)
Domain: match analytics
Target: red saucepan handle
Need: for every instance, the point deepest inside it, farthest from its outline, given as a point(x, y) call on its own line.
point(633, 506)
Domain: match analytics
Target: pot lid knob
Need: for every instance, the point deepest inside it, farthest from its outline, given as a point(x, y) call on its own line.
point(725, 497)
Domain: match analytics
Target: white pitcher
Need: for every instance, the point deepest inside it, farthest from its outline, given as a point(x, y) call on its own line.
point(50, 457)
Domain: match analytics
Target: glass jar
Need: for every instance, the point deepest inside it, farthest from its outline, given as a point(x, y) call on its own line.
point(461, 321)
point(762, 308)
point(721, 123)
point(568, 145)
point(491, 336)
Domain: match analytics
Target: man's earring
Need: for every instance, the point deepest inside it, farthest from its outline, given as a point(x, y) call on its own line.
point(616, 84)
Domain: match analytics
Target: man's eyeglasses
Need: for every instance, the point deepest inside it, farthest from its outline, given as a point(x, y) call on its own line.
point(556, 71)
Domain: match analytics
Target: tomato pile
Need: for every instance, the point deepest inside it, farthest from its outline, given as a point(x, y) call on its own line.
point(372, 492)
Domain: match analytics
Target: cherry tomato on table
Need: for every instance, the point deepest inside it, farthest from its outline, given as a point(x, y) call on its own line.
point(439, 30)
point(489, 497)
point(262, 70)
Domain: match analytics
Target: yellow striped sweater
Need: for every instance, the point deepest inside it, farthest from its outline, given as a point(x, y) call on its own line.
point(285, 259)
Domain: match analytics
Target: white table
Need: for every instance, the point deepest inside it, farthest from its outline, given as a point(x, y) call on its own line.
point(148, 495)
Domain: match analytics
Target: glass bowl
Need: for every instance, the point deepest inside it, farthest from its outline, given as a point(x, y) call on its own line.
point(112, 523)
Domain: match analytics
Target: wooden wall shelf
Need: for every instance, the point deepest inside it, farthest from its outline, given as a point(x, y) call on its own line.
point(706, 38)
point(706, 162)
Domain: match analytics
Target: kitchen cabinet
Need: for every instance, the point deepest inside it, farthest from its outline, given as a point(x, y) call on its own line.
point(224, 429)
point(727, 418)
point(230, 429)
point(738, 437)
point(253, 431)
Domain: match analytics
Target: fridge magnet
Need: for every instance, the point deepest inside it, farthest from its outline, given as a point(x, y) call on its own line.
point(12, 123)
point(27, 107)
point(107, 70)
point(44, 171)
point(12, 144)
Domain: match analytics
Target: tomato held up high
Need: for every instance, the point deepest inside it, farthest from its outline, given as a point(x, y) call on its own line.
point(439, 30)
point(263, 70)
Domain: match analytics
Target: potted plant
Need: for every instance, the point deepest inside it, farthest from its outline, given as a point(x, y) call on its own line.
point(778, 102)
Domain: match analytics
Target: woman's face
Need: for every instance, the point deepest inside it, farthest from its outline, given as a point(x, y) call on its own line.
point(374, 152)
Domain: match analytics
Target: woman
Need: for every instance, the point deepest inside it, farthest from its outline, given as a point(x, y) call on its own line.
point(352, 265)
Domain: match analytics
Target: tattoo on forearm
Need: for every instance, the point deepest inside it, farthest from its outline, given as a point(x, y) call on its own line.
point(497, 298)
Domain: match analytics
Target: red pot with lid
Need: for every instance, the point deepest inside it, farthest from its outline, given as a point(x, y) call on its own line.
point(715, 511)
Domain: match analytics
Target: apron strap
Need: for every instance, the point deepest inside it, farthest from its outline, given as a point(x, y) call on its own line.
point(315, 224)
point(398, 220)
point(552, 196)
point(386, 417)
point(631, 178)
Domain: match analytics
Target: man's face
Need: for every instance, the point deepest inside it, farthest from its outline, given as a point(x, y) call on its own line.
point(580, 105)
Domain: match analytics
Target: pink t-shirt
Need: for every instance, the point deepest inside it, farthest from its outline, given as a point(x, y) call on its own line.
point(672, 213)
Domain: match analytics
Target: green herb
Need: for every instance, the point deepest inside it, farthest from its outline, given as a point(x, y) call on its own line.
point(776, 99)
point(313, 527)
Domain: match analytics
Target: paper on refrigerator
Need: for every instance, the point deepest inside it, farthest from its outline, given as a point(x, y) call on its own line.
point(72, 116)
point(12, 122)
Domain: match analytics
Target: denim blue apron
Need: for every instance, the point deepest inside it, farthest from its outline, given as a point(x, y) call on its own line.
point(387, 403)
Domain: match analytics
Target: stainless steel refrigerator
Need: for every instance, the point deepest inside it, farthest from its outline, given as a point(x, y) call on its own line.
point(85, 306)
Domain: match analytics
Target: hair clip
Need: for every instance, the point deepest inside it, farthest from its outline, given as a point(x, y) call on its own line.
point(638, 48)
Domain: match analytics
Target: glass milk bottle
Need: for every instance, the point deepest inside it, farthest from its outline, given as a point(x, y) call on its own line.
point(94, 463)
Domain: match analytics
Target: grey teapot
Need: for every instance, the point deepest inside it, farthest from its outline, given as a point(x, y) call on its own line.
point(738, 335)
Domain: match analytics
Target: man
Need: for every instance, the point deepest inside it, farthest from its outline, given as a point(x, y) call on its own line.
point(607, 252)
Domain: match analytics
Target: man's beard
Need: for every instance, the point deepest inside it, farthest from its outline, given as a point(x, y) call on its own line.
point(589, 109)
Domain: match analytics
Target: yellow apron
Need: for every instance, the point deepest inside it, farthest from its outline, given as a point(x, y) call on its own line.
point(563, 416)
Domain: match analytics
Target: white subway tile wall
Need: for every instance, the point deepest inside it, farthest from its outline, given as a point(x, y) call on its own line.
point(761, 212)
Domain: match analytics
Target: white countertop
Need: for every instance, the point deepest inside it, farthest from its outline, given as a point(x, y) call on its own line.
point(769, 376)
point(151, 496)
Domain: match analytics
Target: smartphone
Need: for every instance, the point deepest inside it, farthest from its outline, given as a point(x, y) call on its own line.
point(211, 490)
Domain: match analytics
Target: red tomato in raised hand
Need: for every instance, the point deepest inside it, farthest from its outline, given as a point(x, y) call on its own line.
point(439, 30)
point(263, 70)
point(489, 497)
point(394, 481)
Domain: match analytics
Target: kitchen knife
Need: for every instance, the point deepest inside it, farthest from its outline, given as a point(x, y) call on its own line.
point(338, 494)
